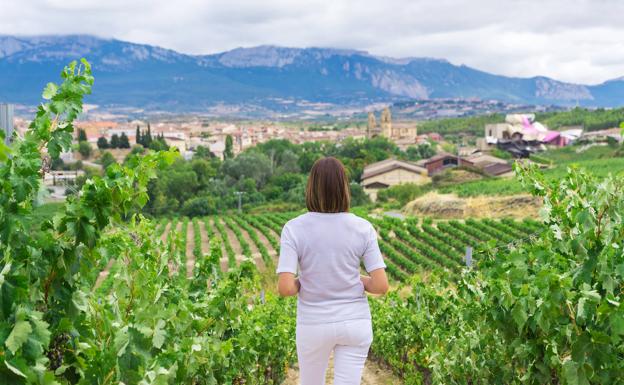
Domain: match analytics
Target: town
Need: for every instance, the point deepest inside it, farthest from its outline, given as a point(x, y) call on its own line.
point(520, 136)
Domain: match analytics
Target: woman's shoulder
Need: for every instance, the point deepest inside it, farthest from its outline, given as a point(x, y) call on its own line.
point(308, 218)
point(359, 221)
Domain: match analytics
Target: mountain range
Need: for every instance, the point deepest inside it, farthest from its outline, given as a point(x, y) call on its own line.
point(267, 78)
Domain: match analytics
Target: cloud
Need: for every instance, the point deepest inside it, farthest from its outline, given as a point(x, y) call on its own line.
point(579, 41)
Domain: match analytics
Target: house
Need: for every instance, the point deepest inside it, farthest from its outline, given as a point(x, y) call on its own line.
point(441, 162)
point(178, 143)
point(491, 165)
point(391, 172)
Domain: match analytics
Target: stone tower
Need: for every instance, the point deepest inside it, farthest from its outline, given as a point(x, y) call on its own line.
point(372, 125)
point(386, 123)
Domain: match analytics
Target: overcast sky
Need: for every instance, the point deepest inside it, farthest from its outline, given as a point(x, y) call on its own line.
point(579, 41)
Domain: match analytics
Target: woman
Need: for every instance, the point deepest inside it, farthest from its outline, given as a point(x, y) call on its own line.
point(328, 244)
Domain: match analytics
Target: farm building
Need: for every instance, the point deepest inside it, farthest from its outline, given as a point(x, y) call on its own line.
point(489, 164)
point(391, 172)
point(441, 162)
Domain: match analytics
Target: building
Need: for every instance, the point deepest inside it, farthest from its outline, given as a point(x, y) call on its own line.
point(176, 142)
point(371, 127)
point(441, 162)
point(403, 134)
point(523, 127)
point(386, 123)
point(490, 165)
point(61, 178)
point(94, 130)
point(6, 121)
point(391, 172)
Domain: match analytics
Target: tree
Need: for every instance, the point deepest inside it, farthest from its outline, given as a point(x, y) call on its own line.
point(248, 165)
point(147, 139)
point(358, 196)
point(82, 135)
point(199, 206)
point(202, 152)
point(159, 144)
point(289, 163)
point(137, 135)
point(114, 142)
point(229, 148)
point(84, 148)
point(279, 185)
point(123, 141)
point(422, 151)
point(57, 164)
point(106, 159)
point(102, 143)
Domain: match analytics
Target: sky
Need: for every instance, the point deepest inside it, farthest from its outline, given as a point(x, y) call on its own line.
point(579, 41)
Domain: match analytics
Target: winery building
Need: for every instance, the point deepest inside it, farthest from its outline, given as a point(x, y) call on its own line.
point(390, 172)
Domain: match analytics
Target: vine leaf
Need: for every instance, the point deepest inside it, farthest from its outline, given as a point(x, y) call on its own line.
point(49, 91)
point(14, 369)
point(159, 334)
point(18, 336)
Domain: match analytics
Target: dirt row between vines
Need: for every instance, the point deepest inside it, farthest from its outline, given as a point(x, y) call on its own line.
point(190, 246)
point(373, 374)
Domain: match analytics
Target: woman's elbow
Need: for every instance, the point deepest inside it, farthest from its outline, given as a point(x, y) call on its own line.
point(383, 288)
point(286, 290)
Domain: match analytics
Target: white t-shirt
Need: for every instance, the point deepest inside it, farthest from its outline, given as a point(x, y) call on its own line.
point(329, 248)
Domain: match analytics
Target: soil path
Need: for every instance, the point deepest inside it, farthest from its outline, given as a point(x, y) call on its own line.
point(266, 243)
point(163, 236)
point(255, 253)
point(205, 242)
point(190, 246)
point(373, 375)
point(233, 240)
point(104, 273)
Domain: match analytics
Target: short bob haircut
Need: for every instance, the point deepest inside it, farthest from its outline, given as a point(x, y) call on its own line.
point(328, 187)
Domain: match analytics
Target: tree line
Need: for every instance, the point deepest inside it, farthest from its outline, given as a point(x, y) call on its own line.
point(271, 173)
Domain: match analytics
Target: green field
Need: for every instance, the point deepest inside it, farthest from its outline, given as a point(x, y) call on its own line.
point(596, 160)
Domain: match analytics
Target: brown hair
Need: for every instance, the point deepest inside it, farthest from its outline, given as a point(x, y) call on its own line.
point(328, 187)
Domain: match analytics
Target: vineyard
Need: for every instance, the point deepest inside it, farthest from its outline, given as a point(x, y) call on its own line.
point(408, 246)
point(100, 294)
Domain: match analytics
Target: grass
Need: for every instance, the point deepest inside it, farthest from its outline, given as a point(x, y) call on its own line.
point(46, 211)
point(570, 155)
point(601, 167)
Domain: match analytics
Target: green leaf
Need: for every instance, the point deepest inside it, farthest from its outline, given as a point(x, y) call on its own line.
point(570, 372)
point(159, 334)
point(617, 324)
point(14, 369)
point(18, 336)
point(122, 339)
point(5, 270)
point(519, 314)
point(49, 91)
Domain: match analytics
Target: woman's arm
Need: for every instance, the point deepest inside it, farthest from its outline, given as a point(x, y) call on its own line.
point(287, 284)
point(377, 282)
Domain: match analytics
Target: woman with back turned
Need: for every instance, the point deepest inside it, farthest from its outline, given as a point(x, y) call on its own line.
point(328, 243)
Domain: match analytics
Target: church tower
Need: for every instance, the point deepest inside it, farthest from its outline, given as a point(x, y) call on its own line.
point(371, 126)
point(386, 123)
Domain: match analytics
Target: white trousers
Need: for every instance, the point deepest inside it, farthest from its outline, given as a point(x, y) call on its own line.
point(349, 340)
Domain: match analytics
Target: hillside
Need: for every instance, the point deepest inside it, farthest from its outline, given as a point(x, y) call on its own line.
point(266, 80)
